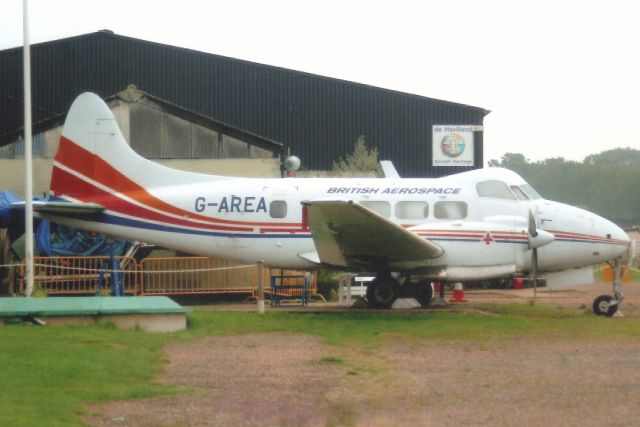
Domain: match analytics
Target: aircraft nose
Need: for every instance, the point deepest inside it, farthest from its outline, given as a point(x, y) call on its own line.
point(615, 236)
point(601, 240)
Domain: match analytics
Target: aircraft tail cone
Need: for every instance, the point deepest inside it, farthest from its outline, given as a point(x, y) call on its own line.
point(458, 293)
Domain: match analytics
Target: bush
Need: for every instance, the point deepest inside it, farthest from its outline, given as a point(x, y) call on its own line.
point(327, 287)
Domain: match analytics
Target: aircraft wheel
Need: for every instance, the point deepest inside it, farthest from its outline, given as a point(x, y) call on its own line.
point(423, 293)
point(382, 292)
point(602, 306)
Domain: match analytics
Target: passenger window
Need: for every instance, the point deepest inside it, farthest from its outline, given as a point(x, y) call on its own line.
point(450, 210)
point(382, 208)
point(412, 210)
point(519, 193)
point(278, 209)
point(495, 189)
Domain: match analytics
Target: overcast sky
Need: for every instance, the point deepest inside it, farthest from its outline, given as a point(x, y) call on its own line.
point(561, 78)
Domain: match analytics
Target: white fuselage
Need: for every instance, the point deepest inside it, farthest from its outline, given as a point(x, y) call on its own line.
point(476, 222)
point(262, 219)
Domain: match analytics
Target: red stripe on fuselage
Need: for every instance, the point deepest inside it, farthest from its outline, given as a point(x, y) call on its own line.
point(118, 205)
point(586, 237)
point(86, 163)
point(471, 234)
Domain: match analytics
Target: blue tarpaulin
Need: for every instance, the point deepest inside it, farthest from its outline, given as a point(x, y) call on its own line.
point(66, 241)
point(57, 240)
point(11, 218)
point(6, 198)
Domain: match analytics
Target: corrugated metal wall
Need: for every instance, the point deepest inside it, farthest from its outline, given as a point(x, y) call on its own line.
point(16, 151)
point(159, 135)
point(318, 117)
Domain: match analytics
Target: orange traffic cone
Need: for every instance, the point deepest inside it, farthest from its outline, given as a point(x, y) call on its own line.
point(458, 293)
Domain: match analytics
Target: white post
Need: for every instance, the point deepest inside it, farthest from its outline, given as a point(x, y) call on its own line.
point(28, 186)
point(260, 272)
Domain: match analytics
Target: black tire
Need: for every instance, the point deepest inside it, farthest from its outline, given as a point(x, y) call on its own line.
point(602, 306)
point(423, 293)
point(381, 293)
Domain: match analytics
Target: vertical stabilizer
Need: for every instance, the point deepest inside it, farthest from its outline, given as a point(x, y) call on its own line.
point(94, 158)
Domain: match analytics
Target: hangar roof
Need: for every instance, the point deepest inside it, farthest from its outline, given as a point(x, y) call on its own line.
point(133, 94)
point(318, 117)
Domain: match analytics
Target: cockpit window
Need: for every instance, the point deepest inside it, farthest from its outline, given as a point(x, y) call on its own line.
point(529, 191)
point(495, 189)
point(521, 195)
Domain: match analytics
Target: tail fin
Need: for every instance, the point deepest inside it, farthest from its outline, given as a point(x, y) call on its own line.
point(93, 156)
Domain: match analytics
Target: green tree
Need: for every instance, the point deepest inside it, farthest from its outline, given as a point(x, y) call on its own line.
point(606, 183)
point(615, 157)
point(362, 158)
point(511, 161)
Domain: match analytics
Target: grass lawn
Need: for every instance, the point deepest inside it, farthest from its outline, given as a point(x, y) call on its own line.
point(48, 375)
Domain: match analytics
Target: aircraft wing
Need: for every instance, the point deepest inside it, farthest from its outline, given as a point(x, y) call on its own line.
point(347, 234)
point(62, 207)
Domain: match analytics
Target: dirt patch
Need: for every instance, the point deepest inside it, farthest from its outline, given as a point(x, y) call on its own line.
point(290, 380)
point(245, 380)
point(513, 382)
point(293, 380)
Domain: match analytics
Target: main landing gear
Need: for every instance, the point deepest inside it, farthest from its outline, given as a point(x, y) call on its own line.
point(382, 291)
point(606, 305)
point(385, 289)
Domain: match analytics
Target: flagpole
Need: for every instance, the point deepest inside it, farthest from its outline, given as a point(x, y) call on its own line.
point(28, 184)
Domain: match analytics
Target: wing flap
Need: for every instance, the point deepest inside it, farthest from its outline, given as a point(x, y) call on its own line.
point(311, 257)
point(347, 234)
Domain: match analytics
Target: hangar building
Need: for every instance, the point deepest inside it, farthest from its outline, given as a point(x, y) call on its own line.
point(151, 125)
point(315, 117)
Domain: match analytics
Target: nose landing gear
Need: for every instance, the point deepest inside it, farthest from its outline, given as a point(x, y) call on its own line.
point(605, 305)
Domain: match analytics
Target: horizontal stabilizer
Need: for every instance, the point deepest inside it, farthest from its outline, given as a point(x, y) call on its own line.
point(62, 207)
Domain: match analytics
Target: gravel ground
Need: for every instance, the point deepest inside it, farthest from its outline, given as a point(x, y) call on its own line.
point(288, 380)
point(509, 383)
point(245, 380)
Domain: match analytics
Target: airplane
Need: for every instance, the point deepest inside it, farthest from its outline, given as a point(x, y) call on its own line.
point(480, 224)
